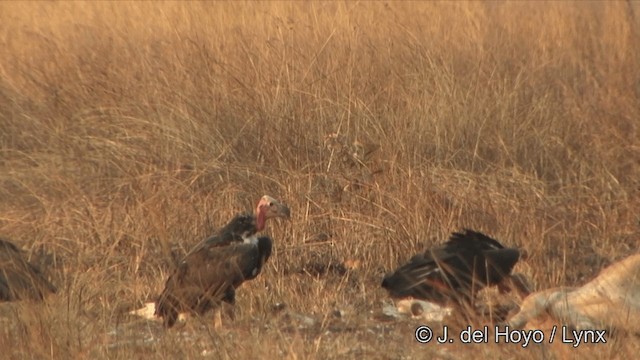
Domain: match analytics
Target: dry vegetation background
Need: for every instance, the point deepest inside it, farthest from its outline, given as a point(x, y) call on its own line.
point(130, 131)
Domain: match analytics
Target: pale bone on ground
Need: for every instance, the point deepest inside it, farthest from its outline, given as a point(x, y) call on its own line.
point(610, 301)
point(148, 312)
point(428, 311)
point(417, 309)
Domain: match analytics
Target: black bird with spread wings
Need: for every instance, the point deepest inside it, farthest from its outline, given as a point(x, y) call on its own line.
point(211, 272)
point(455, 271)
point(19, 279)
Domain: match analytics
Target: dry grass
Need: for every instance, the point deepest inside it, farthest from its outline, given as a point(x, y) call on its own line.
point(129, 131)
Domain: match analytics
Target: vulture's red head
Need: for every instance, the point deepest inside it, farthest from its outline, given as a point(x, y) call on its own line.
point(268, 208)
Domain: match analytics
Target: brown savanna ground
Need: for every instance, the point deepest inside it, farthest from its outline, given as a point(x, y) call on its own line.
point(130, 131)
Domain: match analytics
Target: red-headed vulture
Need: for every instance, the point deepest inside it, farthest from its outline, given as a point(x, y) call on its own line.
point(211, 272)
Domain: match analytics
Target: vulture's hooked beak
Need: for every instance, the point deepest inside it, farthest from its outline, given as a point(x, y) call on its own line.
point(284, 210)
point(273, 208)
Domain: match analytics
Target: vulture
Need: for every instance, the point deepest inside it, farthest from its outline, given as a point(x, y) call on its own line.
point(19, 279)
point(212, 271)
point(455, 271)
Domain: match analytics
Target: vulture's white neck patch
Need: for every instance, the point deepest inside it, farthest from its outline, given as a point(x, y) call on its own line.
point(252, 239)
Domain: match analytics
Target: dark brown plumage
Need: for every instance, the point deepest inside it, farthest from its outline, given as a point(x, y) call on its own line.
point(19, 279)
point(454, 271)
point(211, 272)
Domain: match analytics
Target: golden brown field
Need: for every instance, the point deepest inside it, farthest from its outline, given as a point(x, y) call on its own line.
point(130, 131)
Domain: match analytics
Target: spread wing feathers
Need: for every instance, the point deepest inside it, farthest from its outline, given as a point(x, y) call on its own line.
point(465, 264)
point(19, 279)
point(209, 275)
point(473, 239)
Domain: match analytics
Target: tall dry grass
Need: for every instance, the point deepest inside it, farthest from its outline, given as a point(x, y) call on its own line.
point(130, 131)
